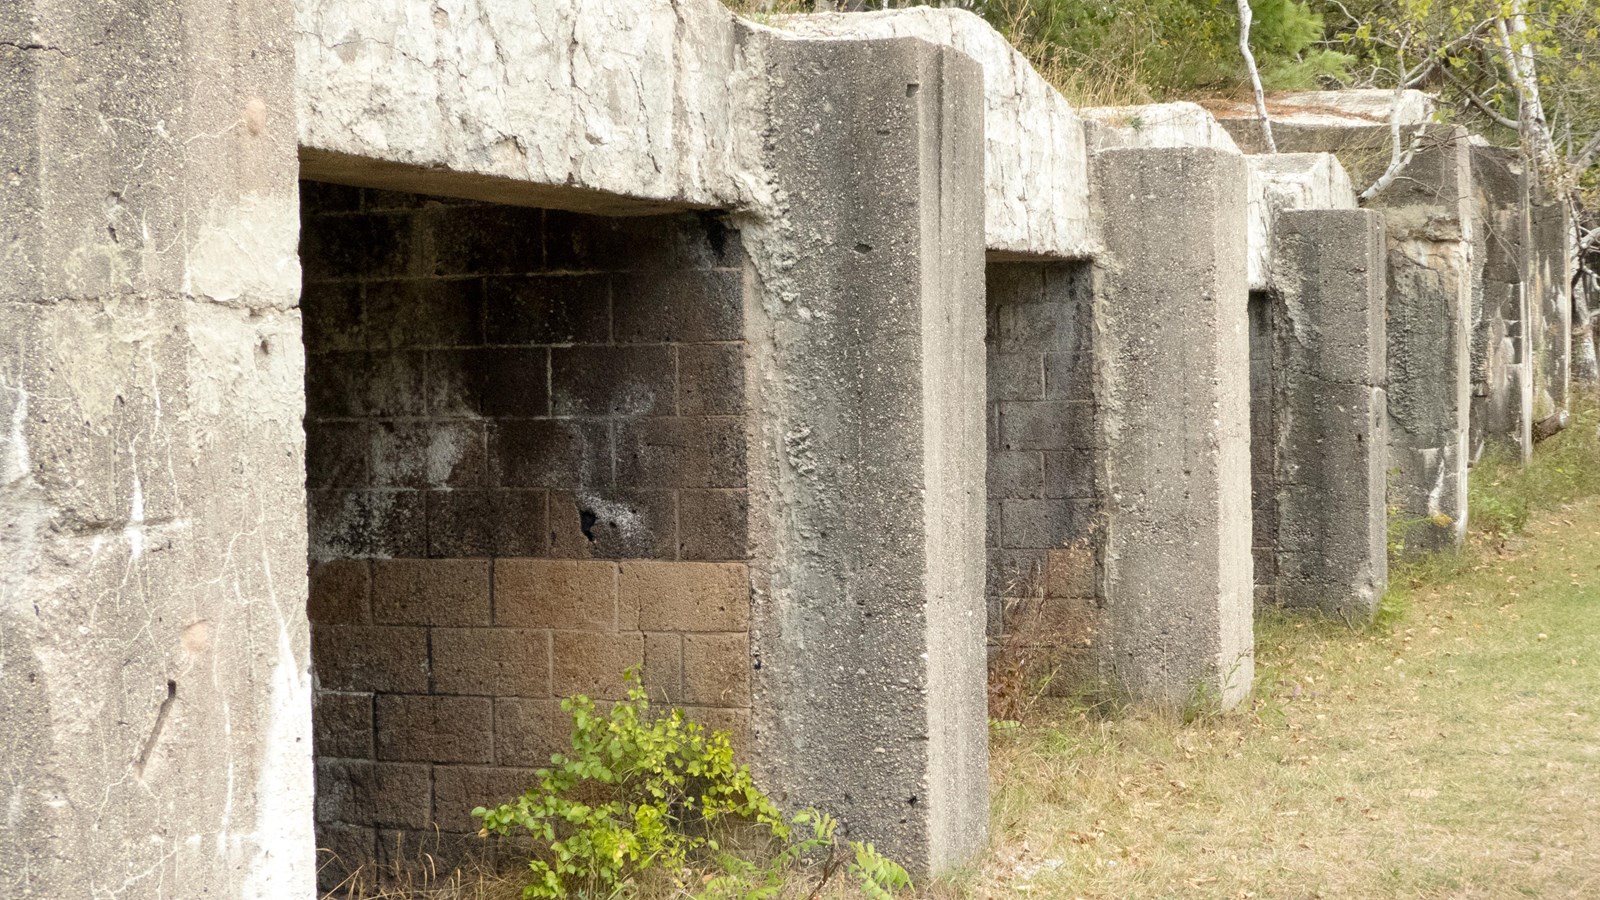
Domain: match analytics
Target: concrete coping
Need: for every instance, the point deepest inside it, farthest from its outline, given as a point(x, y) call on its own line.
point(1285, 181)
point(1154, 125)
point(1333, 108)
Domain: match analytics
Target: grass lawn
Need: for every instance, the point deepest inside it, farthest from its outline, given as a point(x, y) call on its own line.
point(1452, 750)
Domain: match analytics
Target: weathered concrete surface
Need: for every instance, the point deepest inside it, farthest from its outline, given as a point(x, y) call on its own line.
point(1428, 212)
point(866, 501)
point(1355, 124)
point(1279, 181)
point(1428, 215)
point(1329, 411)
point(1550, 302)
point(1175, 412)
point(1285, 181)
point(1153, 126)
point(1036, 167)
point(602, 105)
point(480, 99)
point(153, 646)
point(1502, 376)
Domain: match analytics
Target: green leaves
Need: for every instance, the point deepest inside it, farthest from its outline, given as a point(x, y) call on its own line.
point(642, 794)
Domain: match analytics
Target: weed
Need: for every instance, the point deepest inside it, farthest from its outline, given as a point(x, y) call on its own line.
point(643, 797)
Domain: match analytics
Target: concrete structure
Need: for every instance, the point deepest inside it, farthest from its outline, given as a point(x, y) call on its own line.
point(1428, 215)
point(1502, 371)
point(1322, 512)
point(637, 334)
point(866, 505)
point(1175, 417)
point(154, 663)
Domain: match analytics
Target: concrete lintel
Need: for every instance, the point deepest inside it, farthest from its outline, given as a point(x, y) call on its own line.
point(865, 319)
point(1175, 413)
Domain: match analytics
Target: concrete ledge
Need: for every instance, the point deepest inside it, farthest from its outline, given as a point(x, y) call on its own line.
point(1286, 181)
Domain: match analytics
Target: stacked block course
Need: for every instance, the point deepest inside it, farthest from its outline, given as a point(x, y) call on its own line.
point(1044, 522)
point(526, 473)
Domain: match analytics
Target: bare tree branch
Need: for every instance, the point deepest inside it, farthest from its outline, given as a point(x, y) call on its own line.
point(1398, 159)
point(1245, 17)
point(1479, 102)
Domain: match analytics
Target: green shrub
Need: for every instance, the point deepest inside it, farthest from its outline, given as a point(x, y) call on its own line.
point(642, 794)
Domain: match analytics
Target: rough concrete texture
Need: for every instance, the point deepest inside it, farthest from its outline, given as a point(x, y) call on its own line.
point(867, 457)
point(1428, 216)
point(1428, 212)
point(1311, 121)
point(477, 98)
point(603, 105)
point(1284, 181)
point(1175, 410)
point(1550, 303)
point(1154, 125)
point(1502, 372)
point(1035, 161)
point(1329, 412)
point(153, 641)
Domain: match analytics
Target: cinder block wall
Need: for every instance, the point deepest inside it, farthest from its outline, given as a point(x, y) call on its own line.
point(1263, 451)
point(526, 472)
point(1044, 526)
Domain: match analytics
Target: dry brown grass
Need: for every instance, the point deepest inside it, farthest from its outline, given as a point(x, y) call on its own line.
point(1453, 753)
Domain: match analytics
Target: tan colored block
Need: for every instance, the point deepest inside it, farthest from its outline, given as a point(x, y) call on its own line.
point(663, 667)
point(575, 595)
point(1053, 622)
point(592, 664)
point(339, 592)
point(686, 596)
point(430, 591)
point(526, 732)
point(498, 662)
point(716, 669)
point(736, 722)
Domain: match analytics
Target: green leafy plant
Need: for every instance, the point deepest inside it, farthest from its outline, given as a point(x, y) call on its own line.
point(644, 795)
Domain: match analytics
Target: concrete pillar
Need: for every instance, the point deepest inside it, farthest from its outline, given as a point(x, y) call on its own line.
point(1551, 303)
point(1175, 411)
point(1328, 407)
point(1502, 382)
point(153, 644)
point(865, 327)
point(1428, 215)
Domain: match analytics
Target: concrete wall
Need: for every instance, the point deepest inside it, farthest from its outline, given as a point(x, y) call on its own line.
point(154, 676)
point(526, 473)
point(1502, 369)
point(769, 451)
point(1328, 414)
